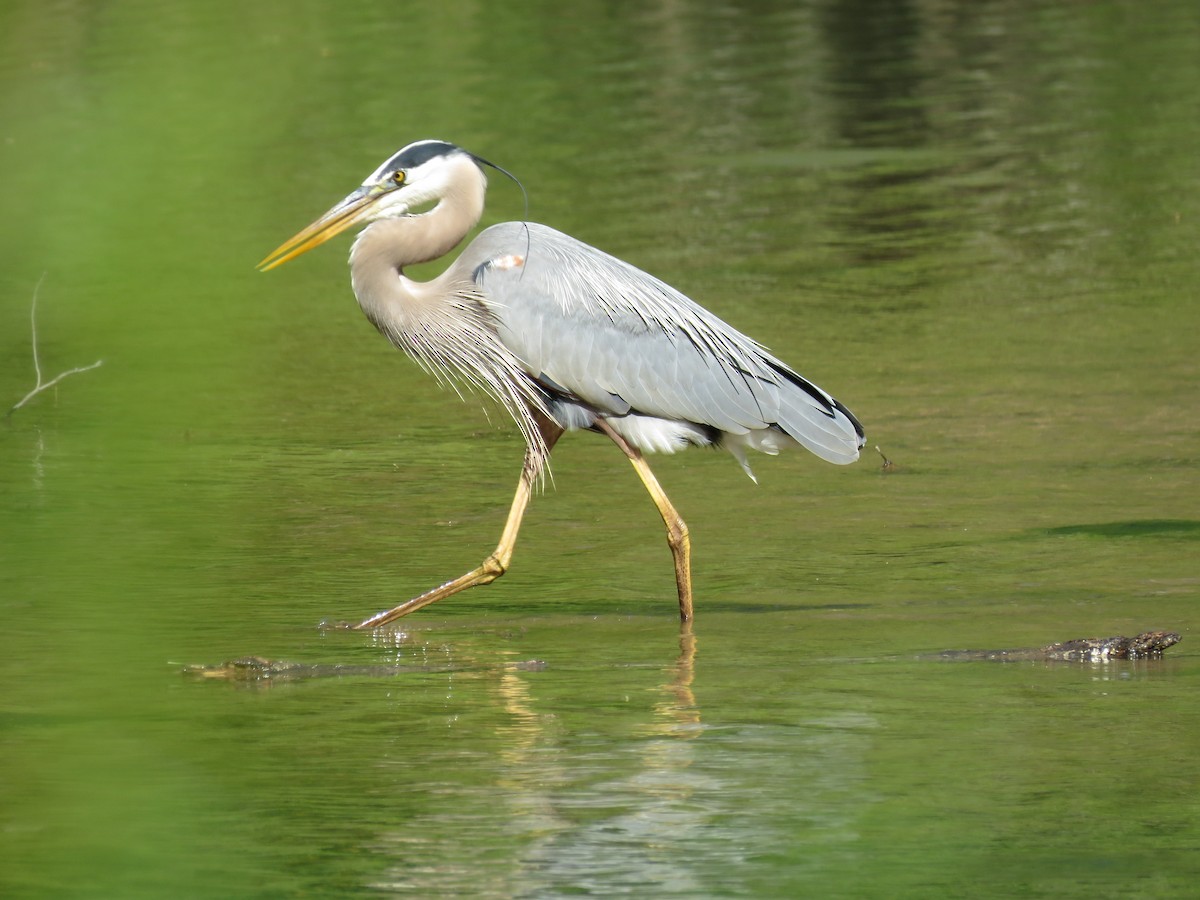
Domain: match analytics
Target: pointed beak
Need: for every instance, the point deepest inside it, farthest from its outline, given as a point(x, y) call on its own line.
point(357, 207)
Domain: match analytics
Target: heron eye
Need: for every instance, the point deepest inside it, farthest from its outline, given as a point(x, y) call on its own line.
point(398, 176)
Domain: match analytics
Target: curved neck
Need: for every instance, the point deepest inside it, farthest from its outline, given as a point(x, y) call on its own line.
point(386, 246)
point(396, 243)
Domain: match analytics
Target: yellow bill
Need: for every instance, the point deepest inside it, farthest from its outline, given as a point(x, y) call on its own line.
point(356, 208)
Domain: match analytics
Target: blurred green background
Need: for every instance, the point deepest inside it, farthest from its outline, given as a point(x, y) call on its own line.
point(975, 224)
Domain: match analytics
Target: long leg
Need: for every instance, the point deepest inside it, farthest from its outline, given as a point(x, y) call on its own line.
point(677, 530)
point(497, 563)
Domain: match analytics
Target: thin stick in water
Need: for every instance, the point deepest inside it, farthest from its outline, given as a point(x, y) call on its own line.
point(40, 386)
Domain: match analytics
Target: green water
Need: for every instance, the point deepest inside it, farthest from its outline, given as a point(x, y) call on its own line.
point(976, 224)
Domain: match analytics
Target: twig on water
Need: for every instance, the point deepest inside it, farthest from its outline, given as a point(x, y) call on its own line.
point(37, 366)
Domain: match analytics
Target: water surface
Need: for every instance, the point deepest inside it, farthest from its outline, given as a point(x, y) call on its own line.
point(976, 225)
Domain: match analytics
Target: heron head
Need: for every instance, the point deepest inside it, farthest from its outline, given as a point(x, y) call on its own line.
point(419, 174)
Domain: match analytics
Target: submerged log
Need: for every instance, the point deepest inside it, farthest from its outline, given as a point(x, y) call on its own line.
point(1147, 645)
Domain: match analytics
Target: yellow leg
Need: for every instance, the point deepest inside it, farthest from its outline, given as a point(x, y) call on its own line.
point(497, 563)
point(677, 530)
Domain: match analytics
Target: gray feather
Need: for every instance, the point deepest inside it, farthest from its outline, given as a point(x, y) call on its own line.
point(616, 340)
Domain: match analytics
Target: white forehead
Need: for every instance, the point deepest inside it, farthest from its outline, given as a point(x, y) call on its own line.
point(419, 159)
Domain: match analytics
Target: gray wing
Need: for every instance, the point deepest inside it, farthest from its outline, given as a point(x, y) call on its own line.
point(622, 341)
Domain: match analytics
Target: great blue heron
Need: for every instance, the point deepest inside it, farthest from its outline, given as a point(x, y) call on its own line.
point(564, 336)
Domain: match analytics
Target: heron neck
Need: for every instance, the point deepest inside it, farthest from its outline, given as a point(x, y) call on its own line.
point(397, 242)
point(385, 247)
